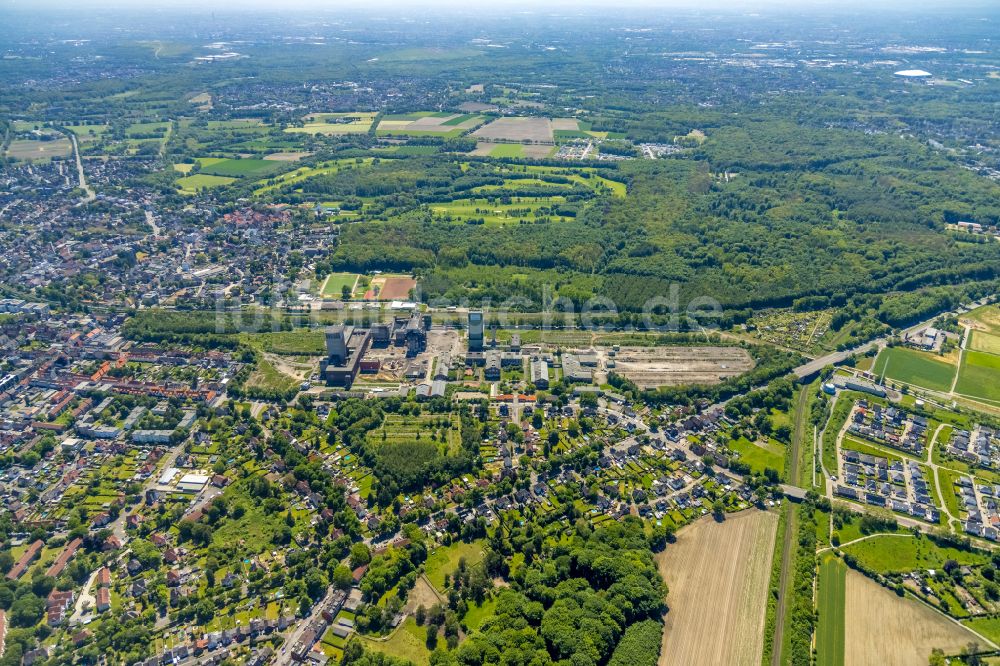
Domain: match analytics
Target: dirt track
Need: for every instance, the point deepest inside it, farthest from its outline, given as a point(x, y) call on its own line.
point(718, 575)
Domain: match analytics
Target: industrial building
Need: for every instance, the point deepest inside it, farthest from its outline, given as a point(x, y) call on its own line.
point(574, 370)
point(539, 372)
point(345, 346)
point(476, 330)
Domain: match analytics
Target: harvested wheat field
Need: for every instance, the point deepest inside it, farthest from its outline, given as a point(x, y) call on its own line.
point(718, 574)
point(885, 630)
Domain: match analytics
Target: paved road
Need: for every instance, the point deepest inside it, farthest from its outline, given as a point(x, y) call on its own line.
point(284, 656)
point(90, 196)
point(814, 366)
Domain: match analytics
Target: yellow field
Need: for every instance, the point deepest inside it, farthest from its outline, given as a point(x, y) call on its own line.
point(885, 630)
point(717, 574)
point(985, 342)
point(335, 123)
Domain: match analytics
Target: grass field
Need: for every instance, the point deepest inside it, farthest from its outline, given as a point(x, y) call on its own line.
point(202, 181)
point(242, 168)
point(885, 629)
point(507, 150)
point(831, 606)
point(300, 341)
point(86, 133)
point(901, 554)
point(718, 574)
point(302, 173)
point(986, 318)
point(444, 561)
point(479, 613)
point(335, 282)
point(266, 376)
point(396, 429)
point(914, 367)
point(522, 208)
point(979, 376)
point(142, 129)
point(987, 626)
point(760, 456)
point(407, 642)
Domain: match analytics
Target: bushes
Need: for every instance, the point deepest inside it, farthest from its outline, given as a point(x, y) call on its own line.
point(802, 616)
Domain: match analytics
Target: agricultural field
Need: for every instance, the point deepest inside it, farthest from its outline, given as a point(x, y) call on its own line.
point(33, 149)
point(981, 341)
point(335, 123)
point(529, 150)
point(529, 129)
point(915, 367)
point(831, 605)
point(718, 574)
point(335, 283)
point(239, 168)
point(390, 288)
point(652, 367)
point(201, 181)
point(422, 123)
point(886, 629)
point(978, 376)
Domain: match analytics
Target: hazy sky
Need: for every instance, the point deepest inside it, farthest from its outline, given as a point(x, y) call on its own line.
point(493, 6)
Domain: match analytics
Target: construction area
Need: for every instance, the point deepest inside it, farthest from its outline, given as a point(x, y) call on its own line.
point(652, 367)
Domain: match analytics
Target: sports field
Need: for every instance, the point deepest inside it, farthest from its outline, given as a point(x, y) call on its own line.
point(914, 367)
point(718, 574)
point(831, 603)
point(335, 282)
point(979, 376)
point(884, 629)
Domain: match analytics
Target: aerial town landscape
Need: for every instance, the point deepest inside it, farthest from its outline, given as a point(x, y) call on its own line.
point(557, 336)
